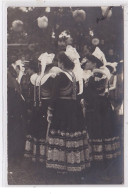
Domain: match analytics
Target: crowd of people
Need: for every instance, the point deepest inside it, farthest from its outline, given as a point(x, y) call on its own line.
point(65, 89)
point(63, 110)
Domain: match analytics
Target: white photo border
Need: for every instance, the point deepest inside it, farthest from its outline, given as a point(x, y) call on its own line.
point(3, 71)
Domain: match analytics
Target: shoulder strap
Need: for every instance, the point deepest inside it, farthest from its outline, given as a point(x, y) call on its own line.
point(68, 75)
point(74, 94)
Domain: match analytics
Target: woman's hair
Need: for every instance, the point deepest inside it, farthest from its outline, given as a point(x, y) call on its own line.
point(110, 68)
point(33, 65)
point(93, 59)
point(68, 64)
point(48, 67)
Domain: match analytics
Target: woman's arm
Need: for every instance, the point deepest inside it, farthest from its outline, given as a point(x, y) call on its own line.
point(43, 66)
point(80, 86)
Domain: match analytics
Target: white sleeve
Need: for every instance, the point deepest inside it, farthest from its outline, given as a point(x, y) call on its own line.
point(78, 71)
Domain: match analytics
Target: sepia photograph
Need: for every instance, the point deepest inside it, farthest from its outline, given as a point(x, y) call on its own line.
point(65, 95)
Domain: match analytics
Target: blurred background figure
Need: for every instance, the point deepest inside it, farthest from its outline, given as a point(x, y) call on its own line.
point(16, 133)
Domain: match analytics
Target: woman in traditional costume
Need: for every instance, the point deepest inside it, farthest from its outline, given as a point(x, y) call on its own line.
point(105, 141)
point(68, 150)
point(39, 95)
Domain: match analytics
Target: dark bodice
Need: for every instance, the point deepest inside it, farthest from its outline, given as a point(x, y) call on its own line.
point(53, 87)
point(59, 87)
point(93, 90)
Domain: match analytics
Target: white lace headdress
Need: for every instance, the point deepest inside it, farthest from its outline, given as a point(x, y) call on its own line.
point(72, 53)
point(46, 58)
point(99, 55)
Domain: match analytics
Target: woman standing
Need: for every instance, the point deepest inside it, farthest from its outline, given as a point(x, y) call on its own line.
point(38, 100)
point(68, 148)
point(104, 139)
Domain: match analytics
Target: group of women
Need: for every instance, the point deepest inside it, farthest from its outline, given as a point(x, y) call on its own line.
point(70, 120)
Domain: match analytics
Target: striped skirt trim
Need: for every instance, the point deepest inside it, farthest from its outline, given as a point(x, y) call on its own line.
point(35, 149)
point(107, 148)
point(68, 151)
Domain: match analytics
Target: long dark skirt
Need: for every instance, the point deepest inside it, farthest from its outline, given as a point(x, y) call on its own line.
point(35, 146)
point(103, 133)
point(68, 147)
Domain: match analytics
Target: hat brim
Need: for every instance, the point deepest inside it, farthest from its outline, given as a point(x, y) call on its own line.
point(92, 58)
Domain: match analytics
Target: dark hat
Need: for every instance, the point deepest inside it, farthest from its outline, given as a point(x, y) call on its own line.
point(94, 59)
point(12, 59)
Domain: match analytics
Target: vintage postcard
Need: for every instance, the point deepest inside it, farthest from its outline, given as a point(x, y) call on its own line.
point(64, 94)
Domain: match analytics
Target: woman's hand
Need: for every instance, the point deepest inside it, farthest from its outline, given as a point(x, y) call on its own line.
point(106, 90)
point(53, 75)
point(38, 81)
point(49, 114)
point(82, 102)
